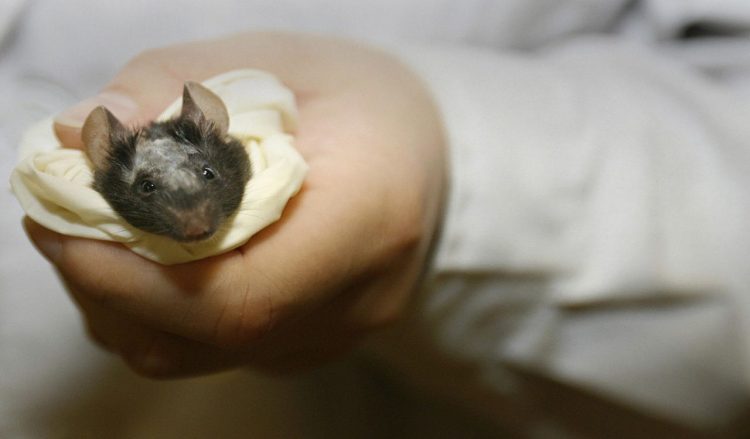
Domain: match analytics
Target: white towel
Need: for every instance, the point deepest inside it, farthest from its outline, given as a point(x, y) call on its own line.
point(54, 184)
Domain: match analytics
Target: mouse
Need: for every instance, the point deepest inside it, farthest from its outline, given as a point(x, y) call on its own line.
point(181, 178)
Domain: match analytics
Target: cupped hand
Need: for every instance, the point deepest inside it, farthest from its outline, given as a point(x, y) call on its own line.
point(346, 254)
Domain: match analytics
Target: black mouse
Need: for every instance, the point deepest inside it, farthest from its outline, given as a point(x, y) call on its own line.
point(181, 178)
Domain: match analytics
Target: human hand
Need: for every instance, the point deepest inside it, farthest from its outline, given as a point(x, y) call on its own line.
point(341, 262)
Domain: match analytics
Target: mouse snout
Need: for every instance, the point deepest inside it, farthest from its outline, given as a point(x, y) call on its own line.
point(194, 224)
point(196, 228)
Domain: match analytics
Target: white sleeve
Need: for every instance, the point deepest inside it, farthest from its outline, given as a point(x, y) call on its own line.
point(595, 192)
point(598, 162)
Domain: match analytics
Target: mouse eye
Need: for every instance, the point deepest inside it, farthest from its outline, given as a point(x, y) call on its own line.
point(147, 186)
point(208, 173)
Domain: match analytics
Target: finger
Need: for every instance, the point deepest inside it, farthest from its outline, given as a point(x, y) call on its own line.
point(150, 352)
point(157, 354)
point(196, 300)
point(153, 79)
point(68, 124)
point(138, 94)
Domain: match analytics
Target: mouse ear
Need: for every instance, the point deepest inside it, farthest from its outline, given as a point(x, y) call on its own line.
point(198, 103)
point(97, 132)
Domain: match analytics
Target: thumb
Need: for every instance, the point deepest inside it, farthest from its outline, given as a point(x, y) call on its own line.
point(139, 93)
point(68, 123)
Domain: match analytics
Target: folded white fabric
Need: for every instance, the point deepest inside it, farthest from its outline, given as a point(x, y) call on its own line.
point(53, 184)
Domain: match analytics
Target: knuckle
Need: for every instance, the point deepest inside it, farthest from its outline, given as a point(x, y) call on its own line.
point(92, 287)
point(244, 323)
point(98, 336)
point(381, 317)
point(405, 232)
point(153, 361)
point(149, 370)
point(411, 230)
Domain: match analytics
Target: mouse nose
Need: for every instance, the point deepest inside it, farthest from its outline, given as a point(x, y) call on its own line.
point(193, 223)
point(196, 227)
point(195, 230)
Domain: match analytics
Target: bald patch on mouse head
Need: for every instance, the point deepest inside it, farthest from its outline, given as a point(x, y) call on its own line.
point(200, 104)
point(175, 164)
point(99, 132)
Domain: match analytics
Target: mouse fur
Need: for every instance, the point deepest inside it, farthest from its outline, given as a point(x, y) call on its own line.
point(181, 178)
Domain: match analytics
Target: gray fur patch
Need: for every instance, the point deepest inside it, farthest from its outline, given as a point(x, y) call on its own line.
point(169, 162)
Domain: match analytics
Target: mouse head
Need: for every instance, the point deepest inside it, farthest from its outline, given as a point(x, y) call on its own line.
point(180, 178)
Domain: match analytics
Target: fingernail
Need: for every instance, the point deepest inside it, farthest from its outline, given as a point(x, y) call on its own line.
point(46, 242)
point(122, 106)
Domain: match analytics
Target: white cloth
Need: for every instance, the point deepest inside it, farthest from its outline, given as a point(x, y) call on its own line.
point(54, 185)
point(591, 191)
